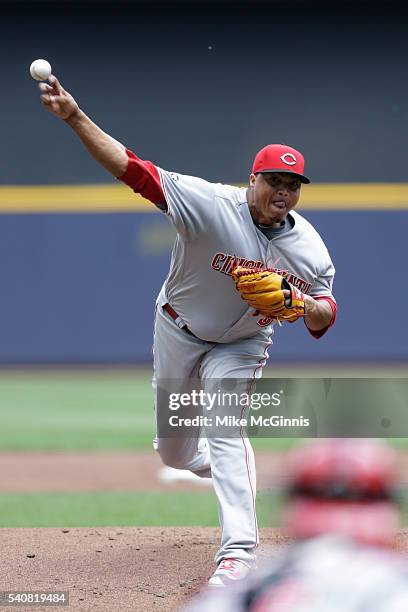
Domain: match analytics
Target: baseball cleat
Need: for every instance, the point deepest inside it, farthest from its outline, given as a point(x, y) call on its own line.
point(229, 571)
point(168, 475)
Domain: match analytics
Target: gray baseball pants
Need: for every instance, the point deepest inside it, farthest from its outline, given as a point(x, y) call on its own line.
point(229, 461)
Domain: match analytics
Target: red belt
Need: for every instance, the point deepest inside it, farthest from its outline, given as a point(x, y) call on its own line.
point(176, 318)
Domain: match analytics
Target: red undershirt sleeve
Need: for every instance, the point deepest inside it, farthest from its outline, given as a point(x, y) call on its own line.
point(143, 177)
point(320, 332)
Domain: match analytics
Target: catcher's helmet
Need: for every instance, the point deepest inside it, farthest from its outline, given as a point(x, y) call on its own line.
point(343, 486)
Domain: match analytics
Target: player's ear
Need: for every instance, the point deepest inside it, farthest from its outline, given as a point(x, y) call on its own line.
point(252, 179)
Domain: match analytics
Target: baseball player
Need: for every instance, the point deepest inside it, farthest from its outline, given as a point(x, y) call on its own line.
point(342, 514)
point(203, 329)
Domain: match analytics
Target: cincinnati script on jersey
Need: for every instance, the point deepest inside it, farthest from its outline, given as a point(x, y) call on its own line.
point(224, 263)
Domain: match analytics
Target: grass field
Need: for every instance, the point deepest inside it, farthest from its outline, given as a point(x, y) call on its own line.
point(104, 509)
point(62, 410)
point(146, 508)
point(67, 411)
point(91, 409)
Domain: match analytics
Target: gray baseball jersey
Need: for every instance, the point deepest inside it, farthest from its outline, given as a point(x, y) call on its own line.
point(214, 227)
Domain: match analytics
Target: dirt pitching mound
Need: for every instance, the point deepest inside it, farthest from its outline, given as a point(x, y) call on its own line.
point(111, 569)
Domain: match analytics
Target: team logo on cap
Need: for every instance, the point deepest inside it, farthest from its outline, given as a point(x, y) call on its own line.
point(289, 158)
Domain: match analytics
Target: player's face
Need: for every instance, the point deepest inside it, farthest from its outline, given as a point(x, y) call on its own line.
point(272, 195)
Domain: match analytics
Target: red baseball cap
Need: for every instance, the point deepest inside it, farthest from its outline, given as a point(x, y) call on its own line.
point(280, 158)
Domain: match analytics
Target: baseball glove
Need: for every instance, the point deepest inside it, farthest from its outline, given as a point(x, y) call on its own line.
point(263, 290)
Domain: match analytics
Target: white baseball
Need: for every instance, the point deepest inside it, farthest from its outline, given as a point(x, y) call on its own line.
point(40, 69)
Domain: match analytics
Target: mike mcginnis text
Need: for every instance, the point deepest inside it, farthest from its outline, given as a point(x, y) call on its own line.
point(254, 420)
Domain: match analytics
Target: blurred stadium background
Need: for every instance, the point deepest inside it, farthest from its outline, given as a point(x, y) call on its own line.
point(197, 87)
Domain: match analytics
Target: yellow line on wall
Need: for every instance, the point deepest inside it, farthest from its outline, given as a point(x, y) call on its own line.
point(71, 198)
point(119, 198)
point(355, 196)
